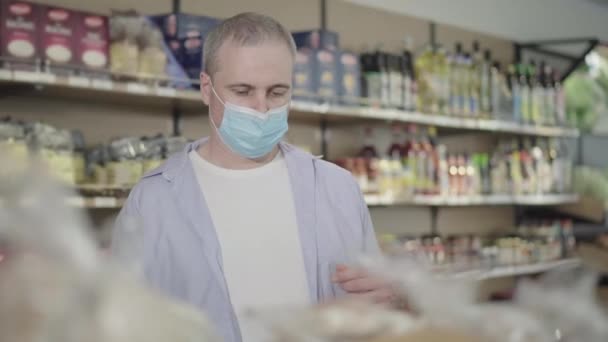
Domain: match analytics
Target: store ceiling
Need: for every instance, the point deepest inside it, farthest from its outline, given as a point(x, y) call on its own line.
point(517, 20)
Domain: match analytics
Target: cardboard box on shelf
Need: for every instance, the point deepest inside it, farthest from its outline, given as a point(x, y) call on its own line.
point(19, 29)
point(326, 76)
point(92, 41)
point(317, 39)
point(57, 38)
point(303, 85)
point(350, 75)
point(185, 34)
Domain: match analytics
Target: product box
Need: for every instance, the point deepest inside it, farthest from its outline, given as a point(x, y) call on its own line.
point(317, 39)
point(19, 29)
point(326, 77)
point(350, 77)
point(57, 37)
point(303, 85)
point(92, 42)
point(185, 35)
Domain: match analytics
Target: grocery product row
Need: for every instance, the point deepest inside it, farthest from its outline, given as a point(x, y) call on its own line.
point(167, 50)
point(465, 84)
point(120, 163)
point(530, 243)
point(417, 163)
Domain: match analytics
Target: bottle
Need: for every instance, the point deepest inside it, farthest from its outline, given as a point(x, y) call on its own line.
point(368, 150)
point(515, 169)
point(454, 80)
point(475, 80)
point(383, 60)
point(468, 101)
point(463, 181)
point(396, 80)
point(549, 96)
point(560, 100)
point(539, 170)
point(486, 83)
point(423, 161)
point(395, 150)
point(474, 174)
point(410, 152)
point(524, 89)
point(486, 175)
point(443, 172)
point(432, 163)
point(453, 178)
point(425, 74)
point(372, 85)
point(408, 77)
point(442, 68)
point(515, 87)
point(537, 108)
point(496, 88)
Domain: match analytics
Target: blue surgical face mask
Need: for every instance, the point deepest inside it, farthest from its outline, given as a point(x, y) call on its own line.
point(250, 133)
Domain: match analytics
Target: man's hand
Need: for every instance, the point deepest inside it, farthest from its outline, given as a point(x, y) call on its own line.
point(361, 284)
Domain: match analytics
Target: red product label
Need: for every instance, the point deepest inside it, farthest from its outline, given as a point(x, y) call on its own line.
point(57, 38)
point(20, 9)
point(18, 30)
point(92, 40)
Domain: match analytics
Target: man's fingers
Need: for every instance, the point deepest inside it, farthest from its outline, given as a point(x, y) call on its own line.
point(365, 284)
point(379, 296)
point(344, 274)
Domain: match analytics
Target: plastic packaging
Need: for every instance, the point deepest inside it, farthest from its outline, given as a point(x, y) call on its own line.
point(55, 286)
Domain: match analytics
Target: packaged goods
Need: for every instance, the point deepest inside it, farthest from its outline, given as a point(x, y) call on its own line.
point(317, 39)
point(92, 42)
point(57, 38)
point(125, 28)
point(303, 73)
point(350, 74)
point(326, 80)
point(19, 29)
point(54, 284)
point(152, 57)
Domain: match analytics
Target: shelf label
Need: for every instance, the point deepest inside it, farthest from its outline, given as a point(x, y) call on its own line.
point(6, 74)
point(26, 76)
point(78, 81)
point(105, 202)
point(102, 84)
point(137, 88)
point(166, 92)
point(47, 78)
point(78, 202)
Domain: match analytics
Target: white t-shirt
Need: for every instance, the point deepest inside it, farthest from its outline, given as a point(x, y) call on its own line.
point(254, 215)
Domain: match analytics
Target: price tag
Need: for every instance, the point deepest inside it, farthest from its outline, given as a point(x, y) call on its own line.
point(26, 76)
point(79, 81)
point(102, 84)
point(165, 91)
point(137, 88)
point(6, 74)
point(105, 202)
point(47, 78)
point(78, 202)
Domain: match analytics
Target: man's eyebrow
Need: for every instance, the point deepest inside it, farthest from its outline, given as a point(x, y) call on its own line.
point(280, 85)
point(237, 85)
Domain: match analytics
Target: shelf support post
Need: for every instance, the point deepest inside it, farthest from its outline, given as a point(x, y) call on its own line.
point(324, 125)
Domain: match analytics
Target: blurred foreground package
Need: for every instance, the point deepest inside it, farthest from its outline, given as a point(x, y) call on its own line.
point(54, 284)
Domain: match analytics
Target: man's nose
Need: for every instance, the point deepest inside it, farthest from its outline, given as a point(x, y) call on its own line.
point(261, 103)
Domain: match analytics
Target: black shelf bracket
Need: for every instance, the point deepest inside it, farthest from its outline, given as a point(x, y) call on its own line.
point(176, 112)
point(434, 219)
point(324, 124)
point(548, 49)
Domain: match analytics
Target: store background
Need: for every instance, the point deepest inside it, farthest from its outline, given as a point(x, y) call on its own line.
point(361, 25)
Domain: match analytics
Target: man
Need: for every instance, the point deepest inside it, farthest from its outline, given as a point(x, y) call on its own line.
point(241, 220)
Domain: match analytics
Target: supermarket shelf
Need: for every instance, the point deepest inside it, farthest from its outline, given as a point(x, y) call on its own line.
point(512, 271)
point(189, 101)
point(96, 202)
point(529, 200)
point(433, 120)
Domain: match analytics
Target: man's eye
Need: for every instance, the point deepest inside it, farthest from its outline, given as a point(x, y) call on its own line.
point(277, 94)
point(242, 92)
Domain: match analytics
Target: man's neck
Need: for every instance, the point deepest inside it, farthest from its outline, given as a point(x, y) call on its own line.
point(217, 153)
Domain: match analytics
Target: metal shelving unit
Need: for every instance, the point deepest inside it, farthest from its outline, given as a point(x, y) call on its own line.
point(518, 270)
point(463, 201)
point(189, 103)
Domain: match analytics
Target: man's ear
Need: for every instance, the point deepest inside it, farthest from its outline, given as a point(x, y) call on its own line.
point(206, 85)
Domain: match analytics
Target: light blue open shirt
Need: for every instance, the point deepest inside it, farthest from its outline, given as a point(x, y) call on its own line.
point(180, 249)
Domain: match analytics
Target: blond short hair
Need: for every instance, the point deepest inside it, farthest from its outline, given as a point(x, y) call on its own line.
point(246, 29)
